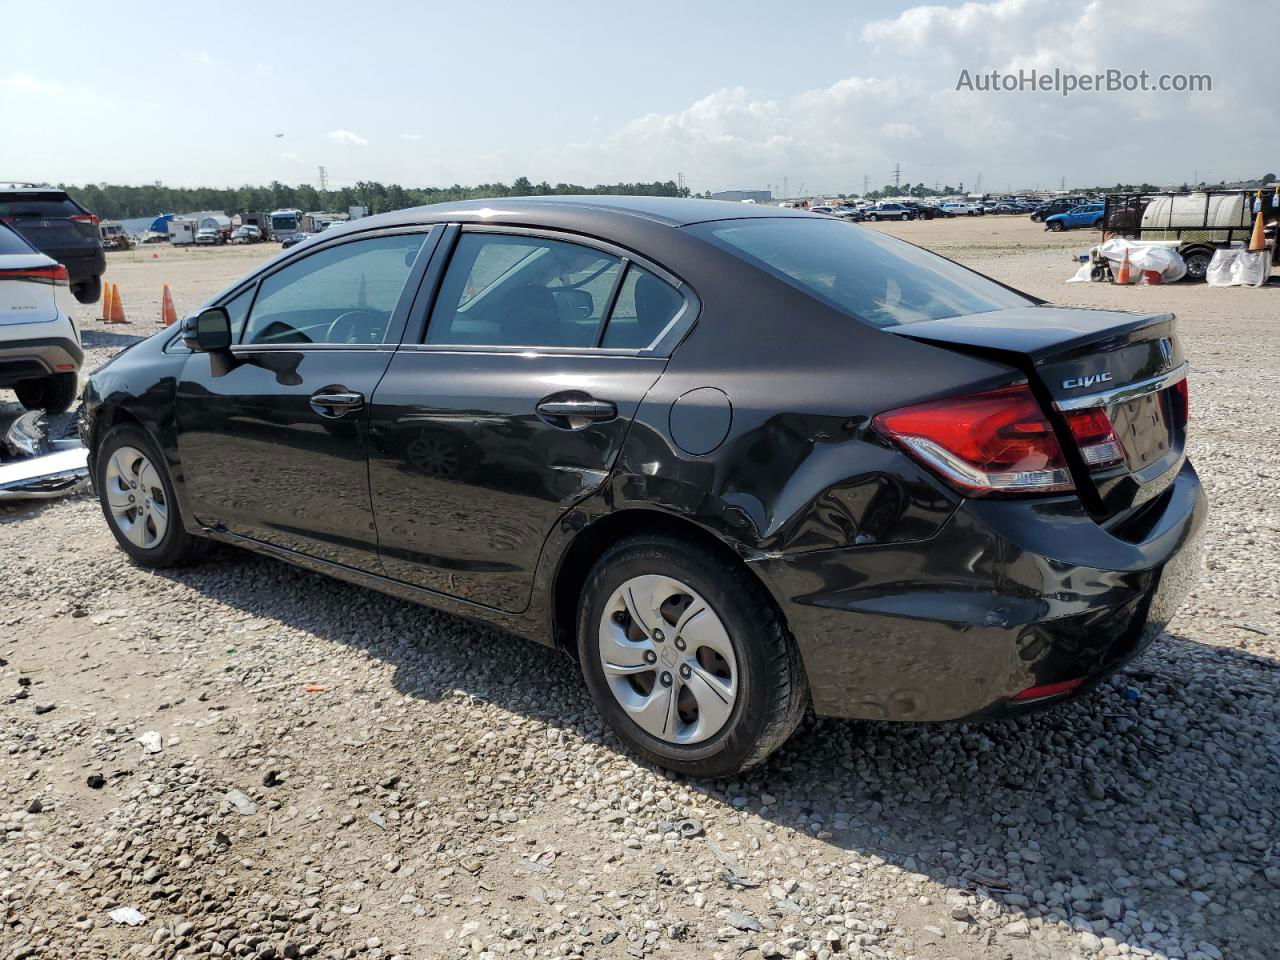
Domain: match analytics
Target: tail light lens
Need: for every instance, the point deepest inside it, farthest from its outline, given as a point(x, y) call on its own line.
point(1181, 402)
point(85, 218)
point(1095, 437)
point(55, 274)
point(994, 442)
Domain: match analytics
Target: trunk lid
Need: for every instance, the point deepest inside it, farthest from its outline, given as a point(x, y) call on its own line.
point(1126, 365)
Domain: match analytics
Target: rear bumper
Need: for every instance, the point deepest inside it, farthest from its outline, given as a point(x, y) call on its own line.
point(81, 264)
point(38, 357)
point(1010, 595)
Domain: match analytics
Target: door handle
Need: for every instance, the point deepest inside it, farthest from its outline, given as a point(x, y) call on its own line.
point(334, 403)
point(578, 411)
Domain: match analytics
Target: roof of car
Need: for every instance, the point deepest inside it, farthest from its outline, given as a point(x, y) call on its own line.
point(554, 210)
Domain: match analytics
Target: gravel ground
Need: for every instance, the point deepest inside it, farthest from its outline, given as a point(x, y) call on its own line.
point(265, 763)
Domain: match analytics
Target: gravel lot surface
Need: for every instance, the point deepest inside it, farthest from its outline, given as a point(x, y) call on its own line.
point(256, 761)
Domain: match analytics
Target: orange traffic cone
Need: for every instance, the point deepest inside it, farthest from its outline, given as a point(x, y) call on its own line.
point(117, 307)
point(168, 315)
point(106, 301)
point(1257, 241)
point(1123, 275)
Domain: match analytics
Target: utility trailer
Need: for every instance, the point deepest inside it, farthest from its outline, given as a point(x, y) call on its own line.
point(1196, 223)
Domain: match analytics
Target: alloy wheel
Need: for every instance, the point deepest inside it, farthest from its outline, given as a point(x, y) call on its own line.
point(668, 659)
point(135, 495)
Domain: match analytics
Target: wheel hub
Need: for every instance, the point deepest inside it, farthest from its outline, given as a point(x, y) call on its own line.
point(668, 659)
point(135, 496)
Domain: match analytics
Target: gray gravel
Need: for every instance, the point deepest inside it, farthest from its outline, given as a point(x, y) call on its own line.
point(340, 774)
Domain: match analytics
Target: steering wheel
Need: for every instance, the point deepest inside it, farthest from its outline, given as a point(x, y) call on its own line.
point(346, 326)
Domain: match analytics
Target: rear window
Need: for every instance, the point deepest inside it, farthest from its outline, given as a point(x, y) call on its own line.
point(876, 278)
point(11, 243)
point(43, 206)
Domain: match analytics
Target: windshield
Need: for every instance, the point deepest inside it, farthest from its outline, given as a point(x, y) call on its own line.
point(285, 222)
point(876, 278)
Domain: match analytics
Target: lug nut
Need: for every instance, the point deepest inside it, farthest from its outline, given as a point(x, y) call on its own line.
point(666, 679)
point(650, 656)
point(685, 671)
point(657, 635)
point(680, 644)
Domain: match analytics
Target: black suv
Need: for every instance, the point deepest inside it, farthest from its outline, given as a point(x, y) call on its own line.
point(56, 225)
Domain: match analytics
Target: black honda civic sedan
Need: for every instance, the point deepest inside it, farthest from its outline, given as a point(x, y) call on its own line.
point(735, 460)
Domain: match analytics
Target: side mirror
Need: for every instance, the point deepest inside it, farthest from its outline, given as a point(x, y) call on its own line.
point(208, 331)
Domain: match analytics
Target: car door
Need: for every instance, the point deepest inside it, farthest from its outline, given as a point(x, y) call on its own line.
point(514, 404)
point(273, 435)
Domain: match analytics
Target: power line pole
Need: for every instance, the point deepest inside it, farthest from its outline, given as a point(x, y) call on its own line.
point(324, 179)
point(866, 184)
point(897, 175)
point(680, 183)
point(784, 189)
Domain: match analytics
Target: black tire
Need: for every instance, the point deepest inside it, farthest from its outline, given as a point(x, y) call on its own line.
point(1054, 226)
point(177, 546)
point(872, 217)
point(1036, 218)
point(1100, 223)
point(53, 394)
point(88, 291)
point(1197, 262)
point(773, 691)
point(906, 217)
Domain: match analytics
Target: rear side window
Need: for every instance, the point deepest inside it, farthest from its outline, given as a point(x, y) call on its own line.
point(38, 206)
point(11, 243)
point(646, 306)
point(523, 291)
point(873, 277)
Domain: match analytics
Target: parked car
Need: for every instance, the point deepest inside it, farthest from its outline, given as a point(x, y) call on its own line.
point(1059, 205)
point(56, 225)
point(957, 209)
point(210, 236)
point(952, 501)
point(1085, 215)
point(40, 351)
point(293, 240)
point(248, 233)
point(889, 211)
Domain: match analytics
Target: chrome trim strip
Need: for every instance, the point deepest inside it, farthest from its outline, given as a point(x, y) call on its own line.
point(1124, 394)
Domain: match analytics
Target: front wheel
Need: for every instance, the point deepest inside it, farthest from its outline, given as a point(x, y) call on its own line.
point(137, 499)
point(687, 658)
point(1036, 218)
point(872, 217)
point(1054, 226)
point(906, 217)
point(53, 394)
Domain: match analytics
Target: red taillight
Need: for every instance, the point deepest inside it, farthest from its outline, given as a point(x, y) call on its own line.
point(1181, 402)
point(85, 218)
point(55, 274)
point(998, 441)
point(1095, 437)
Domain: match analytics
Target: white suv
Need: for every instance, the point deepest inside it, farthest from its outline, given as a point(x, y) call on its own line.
point(40, 352)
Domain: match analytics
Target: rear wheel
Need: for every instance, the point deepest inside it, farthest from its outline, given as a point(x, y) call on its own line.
point(687, 658)
point(53, 394)
point(88, 291)
point(137, 499)
point(1036, 218)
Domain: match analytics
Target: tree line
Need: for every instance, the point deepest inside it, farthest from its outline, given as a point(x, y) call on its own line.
point(119, 202)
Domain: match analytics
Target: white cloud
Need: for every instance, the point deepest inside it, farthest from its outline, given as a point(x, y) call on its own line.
point(291, 156)
point(903, 107)
point(346, 136)
point(25, 83)
point(411, 137)
point(204, 57)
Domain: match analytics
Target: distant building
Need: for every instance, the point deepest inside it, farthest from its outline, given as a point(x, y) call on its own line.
point(738, 196)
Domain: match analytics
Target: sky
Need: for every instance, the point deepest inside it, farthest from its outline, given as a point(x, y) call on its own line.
point(733, 95)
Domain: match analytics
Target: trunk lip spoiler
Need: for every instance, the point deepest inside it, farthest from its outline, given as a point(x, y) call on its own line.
point(1131, 391)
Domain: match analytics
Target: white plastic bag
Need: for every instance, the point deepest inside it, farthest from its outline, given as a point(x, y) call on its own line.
point(1251, 269)
point(1082, 275)
point(1221, 268)
point(1158, 257)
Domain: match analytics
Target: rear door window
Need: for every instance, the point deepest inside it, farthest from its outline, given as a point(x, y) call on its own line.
point(513, 290)
point(645, 307)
